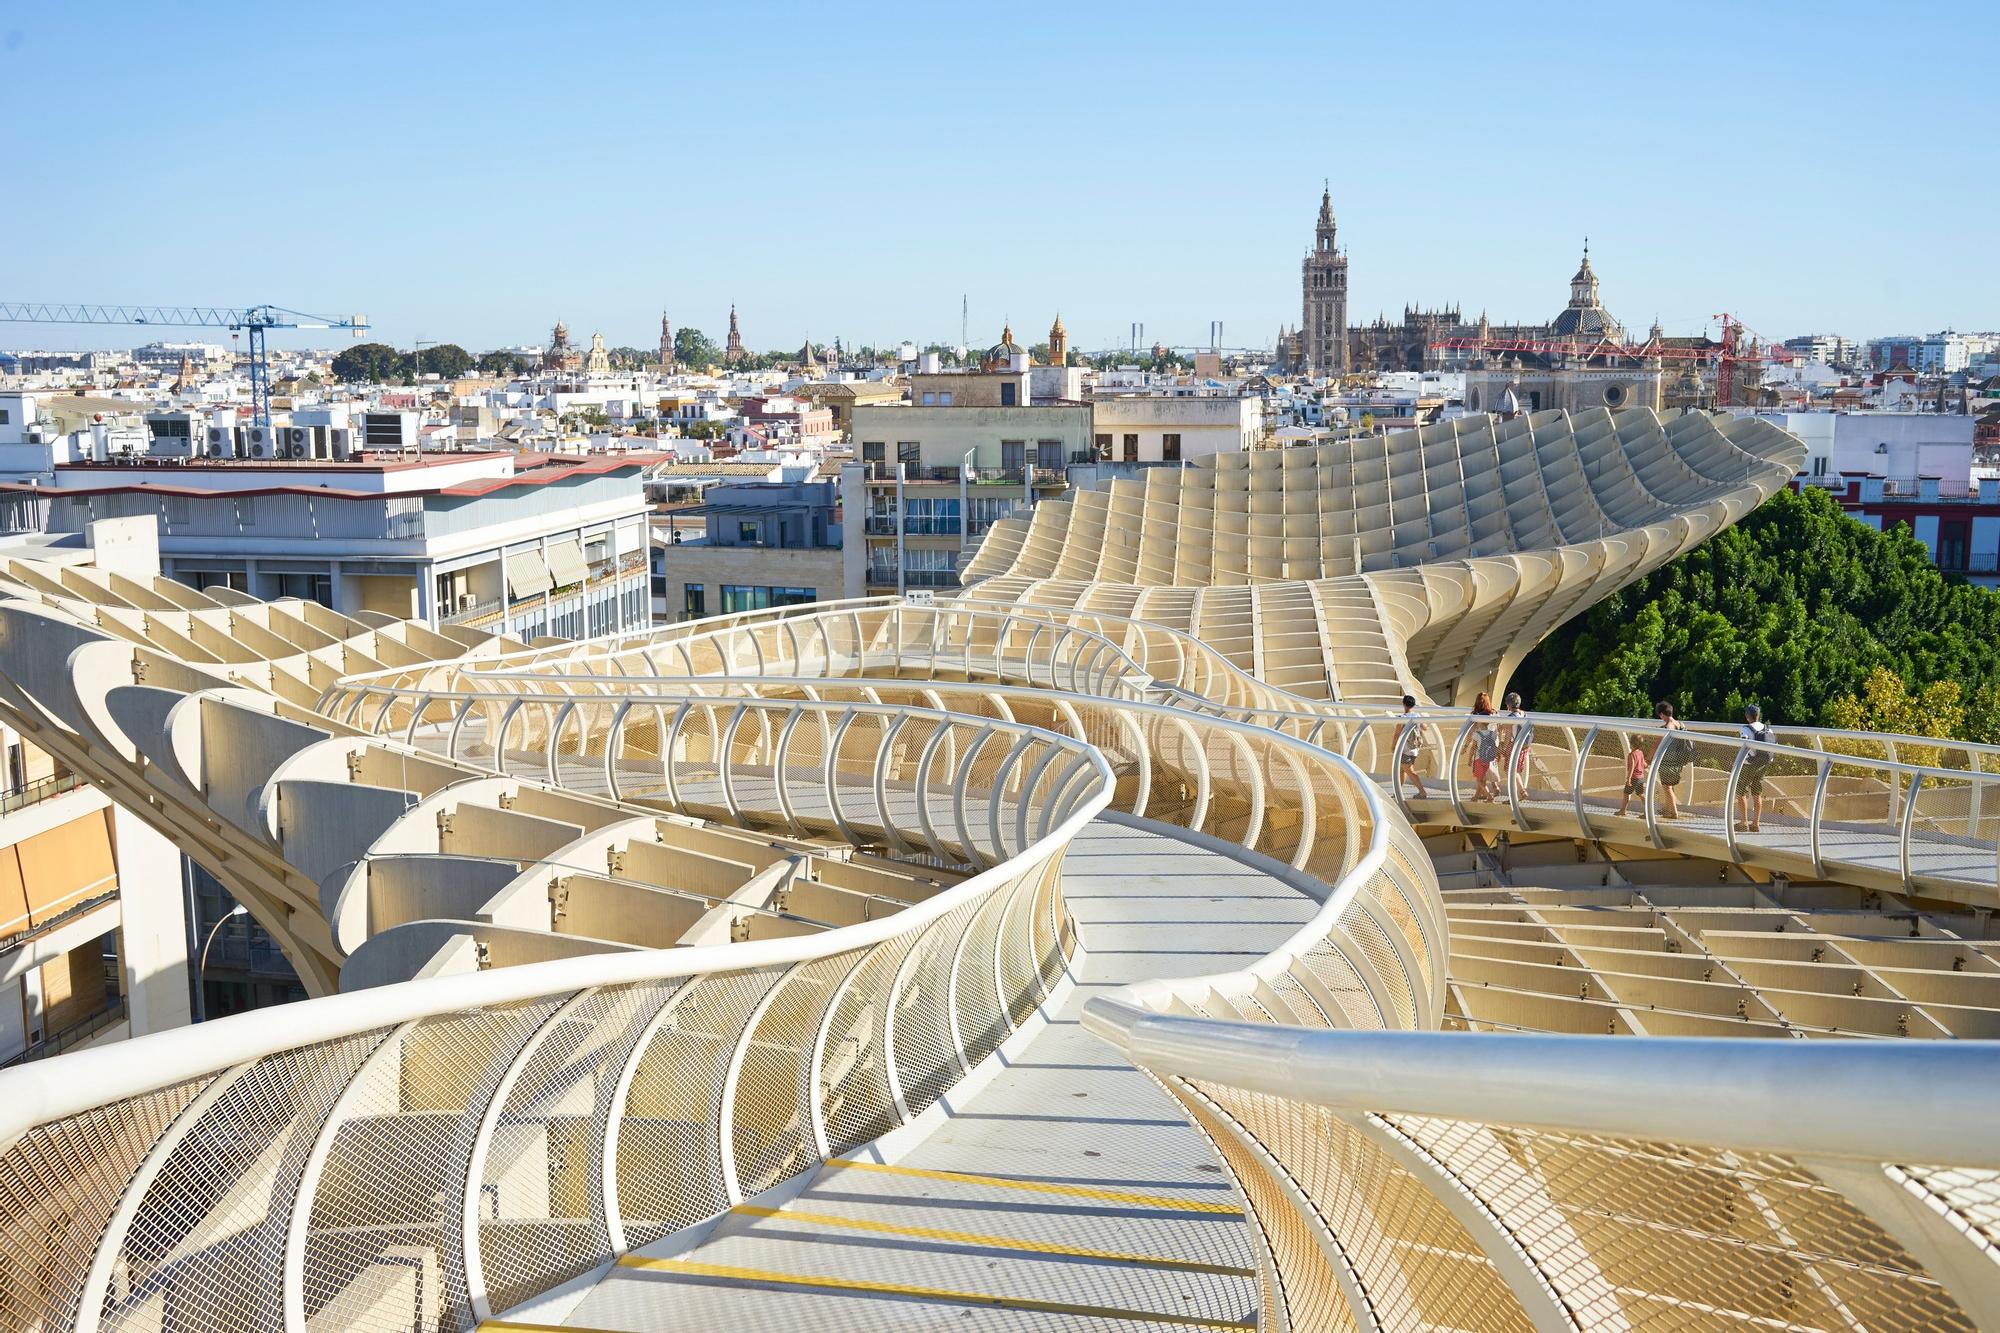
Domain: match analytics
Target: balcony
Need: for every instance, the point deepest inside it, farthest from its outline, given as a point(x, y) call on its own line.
point(74, 1035)
point(41, 789)
point(474, 611)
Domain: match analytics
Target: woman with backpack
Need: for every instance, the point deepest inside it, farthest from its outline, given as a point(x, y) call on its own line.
point(1485, 749)
point(1750, 781)
point(1672, 757)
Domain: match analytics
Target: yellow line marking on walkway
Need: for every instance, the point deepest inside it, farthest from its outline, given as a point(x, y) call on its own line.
point(689, 1268)
point(1045, 1187)
point(988, 1241)
point(509, 1326)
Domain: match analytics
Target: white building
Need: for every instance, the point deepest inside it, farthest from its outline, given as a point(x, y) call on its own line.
point(1162, 428)
point(1898, 446)
point(526, 544)
point(1943, 353)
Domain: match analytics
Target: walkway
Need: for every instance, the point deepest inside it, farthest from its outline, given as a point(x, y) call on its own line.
point(1068, 1191)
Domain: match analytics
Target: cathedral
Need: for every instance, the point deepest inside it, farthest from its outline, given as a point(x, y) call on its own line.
point(1325, 345)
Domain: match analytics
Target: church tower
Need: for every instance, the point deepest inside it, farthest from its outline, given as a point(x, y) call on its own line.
point(1058, 343)
point(732, 350)
point(1323, 277)
point(666, 345)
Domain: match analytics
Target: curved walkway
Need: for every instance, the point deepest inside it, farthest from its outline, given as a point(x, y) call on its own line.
point(1067, 1190)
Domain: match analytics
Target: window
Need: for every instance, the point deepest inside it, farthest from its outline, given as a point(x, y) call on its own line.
point(750, 597)
point(5, 420)
point(929, 567)
point(1170, 448)
point(1131, 448)
point(930, 398)
point(910, 452)
point(203, 579)
point(1013, 455)
point(1102, 443)
point(306, 587)
point(1819, 466)
point(747, 534)
point(1009, 394)
point(944, 398)
point(933, 518)
point(694, 601)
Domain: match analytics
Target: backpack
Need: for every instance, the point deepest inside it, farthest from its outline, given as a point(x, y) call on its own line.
point(1489, 745)
point(1757, 761)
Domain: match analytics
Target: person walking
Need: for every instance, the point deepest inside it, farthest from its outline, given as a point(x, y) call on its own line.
point(1410, 748)
point(1750, 779)
point(1672, 757)
point(1485, 749)
point(1635, 774)
point(1514, 740)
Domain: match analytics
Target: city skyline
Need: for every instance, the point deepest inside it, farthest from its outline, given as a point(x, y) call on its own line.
point(454, 182)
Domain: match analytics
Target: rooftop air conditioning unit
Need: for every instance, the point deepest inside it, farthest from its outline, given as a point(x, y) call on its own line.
point(260, 443)
point(341, 441)
point(297, 441)
point(466, 601)
point(218, 442)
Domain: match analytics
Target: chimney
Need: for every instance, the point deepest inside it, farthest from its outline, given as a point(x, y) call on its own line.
point(1018, 363)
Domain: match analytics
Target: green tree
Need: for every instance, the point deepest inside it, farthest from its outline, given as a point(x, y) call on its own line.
point(504, 363)
point(447, 361)
point(370, 363)
point(1791, 609)
point(693, 350)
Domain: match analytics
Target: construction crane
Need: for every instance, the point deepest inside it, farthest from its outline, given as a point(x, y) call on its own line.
point(1724, 354)
point(254, 320)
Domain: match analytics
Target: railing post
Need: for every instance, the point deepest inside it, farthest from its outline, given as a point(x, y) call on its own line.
point(1583, 754)
point(1909, 819)
point(1450, 776)
point(1814, 819)
point(1729, 801)
point(1653, 790)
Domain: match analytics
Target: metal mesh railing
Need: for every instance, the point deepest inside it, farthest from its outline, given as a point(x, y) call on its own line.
point(1566, 1182)
point(423, 1155)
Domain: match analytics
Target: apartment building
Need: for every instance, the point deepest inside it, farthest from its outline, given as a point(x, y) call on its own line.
point(761, 544)
point(521, 543)
point(934, 474)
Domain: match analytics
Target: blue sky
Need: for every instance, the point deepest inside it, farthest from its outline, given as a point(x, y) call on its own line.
point(473, 171)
